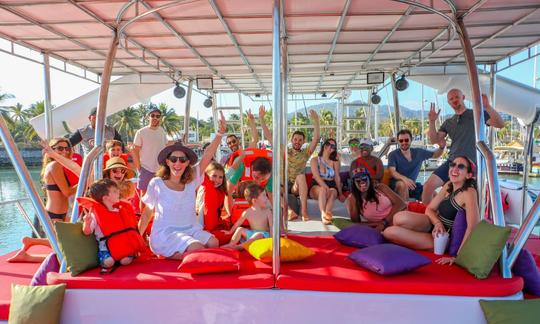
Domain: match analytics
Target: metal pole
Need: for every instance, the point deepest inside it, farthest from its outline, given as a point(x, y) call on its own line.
point(527, 156)
point(339, 118)
point(187, 111)
point(276, 138)
point(83, 179)
point(216, 123)
point(48, 108)
point(423, 135)
point(524, 231)
point(26, 180)
point(27, 218)
point(396, 103)
point(102, 103)
point(283, 127)
point(480, 134)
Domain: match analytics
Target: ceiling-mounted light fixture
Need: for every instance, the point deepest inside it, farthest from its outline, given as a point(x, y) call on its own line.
point(179, 92)
point(257, 95)
point(375, 98)
point(208, 102)
point(324, 95)
point(402, 84)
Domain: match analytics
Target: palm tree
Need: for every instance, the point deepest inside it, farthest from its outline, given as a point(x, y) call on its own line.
point(4, 110)
point(170, 121)
point(142, 111)
point(326, 119)
point(18, 113)
point(127, 122)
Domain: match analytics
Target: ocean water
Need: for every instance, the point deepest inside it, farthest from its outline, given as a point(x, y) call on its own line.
point(13, 226)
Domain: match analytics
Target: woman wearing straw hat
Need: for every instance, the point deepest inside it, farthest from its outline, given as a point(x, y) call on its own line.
point(170, 199)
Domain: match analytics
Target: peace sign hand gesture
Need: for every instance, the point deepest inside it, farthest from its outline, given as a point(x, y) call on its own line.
point(433, 115)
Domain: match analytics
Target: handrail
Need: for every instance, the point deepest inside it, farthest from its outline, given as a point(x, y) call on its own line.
point(83, 179)
point(524, 231)
point(22, 171)
point(385, 149)
point(19, 206)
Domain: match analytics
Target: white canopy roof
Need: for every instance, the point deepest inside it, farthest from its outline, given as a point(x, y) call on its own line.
point(331, 44)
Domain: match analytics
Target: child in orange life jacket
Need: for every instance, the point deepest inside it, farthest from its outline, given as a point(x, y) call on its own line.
point(258, 169)
point(106, 193)
point(259, 216)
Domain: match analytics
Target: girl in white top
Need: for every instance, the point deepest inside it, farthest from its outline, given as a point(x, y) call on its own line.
point(170, 199)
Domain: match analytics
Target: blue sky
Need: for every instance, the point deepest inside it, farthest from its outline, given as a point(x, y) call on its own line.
point(24, 79)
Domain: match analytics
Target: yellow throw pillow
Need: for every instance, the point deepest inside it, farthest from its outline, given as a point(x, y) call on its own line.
point(290, 250)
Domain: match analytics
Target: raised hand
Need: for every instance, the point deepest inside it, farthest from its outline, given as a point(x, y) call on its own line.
point(433, 115)
point(46, 148)
point(313, 115)
point(485, 101)
point(222, 123)
point(262, 112)
point(250, 116)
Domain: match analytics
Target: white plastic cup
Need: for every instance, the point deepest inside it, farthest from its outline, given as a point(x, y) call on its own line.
point(440, 242)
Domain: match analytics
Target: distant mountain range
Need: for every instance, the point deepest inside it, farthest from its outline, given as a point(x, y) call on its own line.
point(406, 112)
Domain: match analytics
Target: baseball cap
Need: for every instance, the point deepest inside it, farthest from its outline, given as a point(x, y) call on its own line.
point(366, 141)
point(360, 173)
point(93, 112)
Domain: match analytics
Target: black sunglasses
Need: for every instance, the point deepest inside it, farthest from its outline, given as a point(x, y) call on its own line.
point(404, 140)
point(231, 142)
point(62, 148)
point(332, 146)
point(460, 166)
point(155, 116)
point(174, 159)
point(362, 180)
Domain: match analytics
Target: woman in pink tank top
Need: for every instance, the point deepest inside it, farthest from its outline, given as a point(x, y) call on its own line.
point(375, 203)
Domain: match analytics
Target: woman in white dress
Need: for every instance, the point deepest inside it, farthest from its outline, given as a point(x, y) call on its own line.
point(170, 199)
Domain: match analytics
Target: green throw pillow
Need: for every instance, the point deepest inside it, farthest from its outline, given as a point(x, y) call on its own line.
point(80, 251)
point(36, 304)
point(482, 249)
point(342, 223)
point(511, 311)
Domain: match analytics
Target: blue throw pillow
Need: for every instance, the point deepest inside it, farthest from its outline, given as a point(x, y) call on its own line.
point(458, 232)
point(525, 267)
point(389, 259)
point(359, 236)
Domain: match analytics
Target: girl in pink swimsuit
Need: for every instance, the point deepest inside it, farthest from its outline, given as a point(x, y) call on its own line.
point(373, 204)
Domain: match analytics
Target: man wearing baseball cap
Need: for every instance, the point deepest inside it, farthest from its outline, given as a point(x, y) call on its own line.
point(371, 163)
point(85, 135)
point(148, 142)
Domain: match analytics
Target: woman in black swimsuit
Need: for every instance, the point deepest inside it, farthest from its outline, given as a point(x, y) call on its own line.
point(417, 230)
point(58, 191)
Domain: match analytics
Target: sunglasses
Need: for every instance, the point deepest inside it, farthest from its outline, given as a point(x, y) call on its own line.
point(362, 180)
point(181, 159)
point(404, 140)
point(156, 116)
point(232, 142)
point(354, 145)
point(365, 147)
point(332, 146)
point(460, 166)
point(119, 170)
point(62, 148)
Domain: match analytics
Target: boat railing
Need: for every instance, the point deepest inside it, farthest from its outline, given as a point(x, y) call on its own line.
point(22, 211)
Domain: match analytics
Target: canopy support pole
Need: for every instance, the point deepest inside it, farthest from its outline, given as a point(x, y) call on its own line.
point(187, 111)
point(277, 135)
point(527, 157)
point(396, 103)
point(48, 107)
point(102, 103)
point(480, 135)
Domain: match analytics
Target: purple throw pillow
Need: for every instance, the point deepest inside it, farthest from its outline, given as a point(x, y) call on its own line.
point(458, 232)
point(359, 236)
point(525, 267)
point(50, 264)
point(389, 259)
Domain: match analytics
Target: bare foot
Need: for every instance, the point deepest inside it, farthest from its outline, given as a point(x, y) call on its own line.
point(292, 215)
point(28, 242)
point(305, 217)
point(325, 219)
point(23, 256)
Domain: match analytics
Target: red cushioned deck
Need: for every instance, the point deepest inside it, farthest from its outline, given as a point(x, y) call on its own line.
point(18, 273)
point(330, 270)
point(162, 274)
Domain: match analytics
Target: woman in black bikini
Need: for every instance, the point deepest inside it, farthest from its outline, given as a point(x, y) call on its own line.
point(417, 230)
point(57, 189)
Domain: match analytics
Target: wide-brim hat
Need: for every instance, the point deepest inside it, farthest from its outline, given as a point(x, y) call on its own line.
point(162, 156)
point(118, 162)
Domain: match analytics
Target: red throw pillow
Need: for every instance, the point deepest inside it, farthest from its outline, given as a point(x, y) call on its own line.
point(212, 260)
point(417, 207)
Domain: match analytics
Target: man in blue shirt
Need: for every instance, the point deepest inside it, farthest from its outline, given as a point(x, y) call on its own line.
point(405, 163)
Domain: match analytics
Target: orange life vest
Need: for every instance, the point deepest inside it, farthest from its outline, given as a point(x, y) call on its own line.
point(250, 156)
point(71, 177)
point(233, 157)
point(119, 228)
